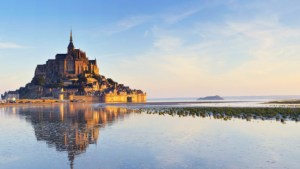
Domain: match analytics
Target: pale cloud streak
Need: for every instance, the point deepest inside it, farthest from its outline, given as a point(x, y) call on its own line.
point(131, 22)
point(171, 17)
point(125, 24)
point(176, 17)
point(9, 45)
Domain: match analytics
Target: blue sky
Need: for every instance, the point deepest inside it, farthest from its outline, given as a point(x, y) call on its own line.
point(168, 48)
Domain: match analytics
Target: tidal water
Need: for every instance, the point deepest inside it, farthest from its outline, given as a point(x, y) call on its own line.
point(92, 136)
point(230, 98)
point(229, 101)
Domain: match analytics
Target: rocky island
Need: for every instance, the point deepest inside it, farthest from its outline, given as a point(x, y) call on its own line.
point(216, 97)
point(73, 76)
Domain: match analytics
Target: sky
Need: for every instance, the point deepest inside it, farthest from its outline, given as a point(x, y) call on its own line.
point(167, 48)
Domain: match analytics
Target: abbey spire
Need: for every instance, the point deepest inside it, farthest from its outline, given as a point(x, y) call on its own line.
point(71, 38)
point(71, 45)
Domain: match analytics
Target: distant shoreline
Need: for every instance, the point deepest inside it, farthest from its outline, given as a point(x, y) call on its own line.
point(168, 103)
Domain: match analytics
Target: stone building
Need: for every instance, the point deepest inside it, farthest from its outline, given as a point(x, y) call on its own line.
point(70, 64)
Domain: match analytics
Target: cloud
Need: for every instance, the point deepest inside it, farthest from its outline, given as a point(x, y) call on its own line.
point(176, 17)
point(233, 57)
point(125, 24)
point(8, 45)
point(131, 22)
point(168, 43)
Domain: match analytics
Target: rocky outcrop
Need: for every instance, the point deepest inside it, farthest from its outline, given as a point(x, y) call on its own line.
point(216, 97)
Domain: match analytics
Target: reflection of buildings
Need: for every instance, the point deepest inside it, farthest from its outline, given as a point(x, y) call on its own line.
point(71, 127)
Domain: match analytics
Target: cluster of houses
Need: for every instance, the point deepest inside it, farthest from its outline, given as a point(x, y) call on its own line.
point(10, 96)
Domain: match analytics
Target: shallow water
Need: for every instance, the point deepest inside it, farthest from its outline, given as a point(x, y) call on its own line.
point(229, 101)
point(88, 136)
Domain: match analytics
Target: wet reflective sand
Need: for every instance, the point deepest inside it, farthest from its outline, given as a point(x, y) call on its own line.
point(92, 136)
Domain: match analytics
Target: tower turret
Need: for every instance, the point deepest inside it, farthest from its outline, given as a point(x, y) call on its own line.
point(71, 45)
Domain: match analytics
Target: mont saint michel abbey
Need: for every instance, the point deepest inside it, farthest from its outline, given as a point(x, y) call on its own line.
point(70, 64)
point(72, 76)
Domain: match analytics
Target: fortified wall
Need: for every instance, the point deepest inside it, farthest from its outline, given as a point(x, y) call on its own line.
point(124, 98)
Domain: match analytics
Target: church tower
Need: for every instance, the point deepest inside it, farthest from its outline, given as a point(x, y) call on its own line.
point(71, 45)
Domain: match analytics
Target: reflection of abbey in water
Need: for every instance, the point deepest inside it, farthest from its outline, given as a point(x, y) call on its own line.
point(71, 127)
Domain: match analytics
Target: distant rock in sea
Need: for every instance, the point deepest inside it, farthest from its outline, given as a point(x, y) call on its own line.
point(216, 97)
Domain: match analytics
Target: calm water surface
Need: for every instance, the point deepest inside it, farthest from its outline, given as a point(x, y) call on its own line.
point(88, 136)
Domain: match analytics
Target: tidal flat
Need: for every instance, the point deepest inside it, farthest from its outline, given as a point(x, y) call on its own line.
point(84, 135)
point(226, 113)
